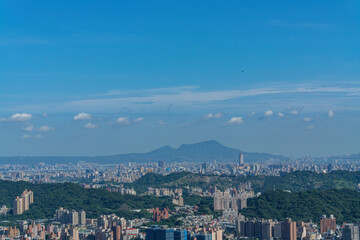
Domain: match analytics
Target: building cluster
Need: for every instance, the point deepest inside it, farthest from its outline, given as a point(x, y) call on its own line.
point(161, 192)
point(22, 203)
point(122, 190)
point(235, 198)
point(112, 227)
point(268, 229)
point(72, 217)
point(100, 174)
point(159, 215)
point(163, 233)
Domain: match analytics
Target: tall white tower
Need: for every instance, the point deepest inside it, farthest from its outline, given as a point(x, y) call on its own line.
point(241, 158)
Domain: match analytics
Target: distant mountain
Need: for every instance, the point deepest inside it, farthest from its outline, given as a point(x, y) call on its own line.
point(197, 152)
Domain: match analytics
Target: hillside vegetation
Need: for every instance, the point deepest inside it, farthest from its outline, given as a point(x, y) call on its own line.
point(296, 182)
point(49, 197)
point(344, 204)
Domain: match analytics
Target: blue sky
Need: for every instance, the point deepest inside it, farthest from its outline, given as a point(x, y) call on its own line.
point(106, 77)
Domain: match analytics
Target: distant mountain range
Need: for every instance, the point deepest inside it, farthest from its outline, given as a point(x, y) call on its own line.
point(198, 152)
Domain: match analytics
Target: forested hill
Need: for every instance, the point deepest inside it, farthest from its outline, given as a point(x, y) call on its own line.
point(295, 182)
point(49, 197)
point(344, 204)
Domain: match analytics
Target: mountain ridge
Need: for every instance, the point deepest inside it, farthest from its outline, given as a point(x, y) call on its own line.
point(204, 151)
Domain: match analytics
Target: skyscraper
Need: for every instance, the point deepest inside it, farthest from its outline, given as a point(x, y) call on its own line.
point(241, 159)
point(350, 232)
point(82, 217)
point(21, 204)
point(17, 206)
point(161, 164)
point(288, 230)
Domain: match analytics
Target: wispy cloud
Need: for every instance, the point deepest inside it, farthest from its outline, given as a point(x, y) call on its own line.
point(307, 119)
point(90, 126)
point(192, 97)
point(268, 113)
point(251, 114)
point(123, 120)
point(161, 122)
point(82, 116)
point(235, 121)
point(331, 113)
point(26, 136)
point(280, 114)
point(139, 119)
point(29, 128)
point(213, 116)
point(45, 128)
point(181, 97)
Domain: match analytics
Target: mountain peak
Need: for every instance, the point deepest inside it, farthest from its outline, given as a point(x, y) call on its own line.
point(208, 143)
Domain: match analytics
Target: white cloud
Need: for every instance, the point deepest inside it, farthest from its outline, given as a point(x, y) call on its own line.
point(213, 116)
point(45, 128)
point(294, 112)
point(45, 115)
point(39, 136)
point(90, 125)
point(18, 117)
point(280, 114)
point(123, 120)
point(307, 119)
point(268, 113)
point(331, 113)
point(82, 116)
point(139, 119)
point(26, 136)
point(29, 128)
point(161, 122)
point(235, 120)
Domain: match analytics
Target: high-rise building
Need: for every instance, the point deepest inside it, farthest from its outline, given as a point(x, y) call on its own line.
point(204, 168)
point(74, 217)
point(267, 230)
point(156, 233)
point(116, 232)
point(70, 217)
point(82, 217)
point(241, 159)
point(160, 215)
point(231, 199)
point(350, 232)
point(22, 203)
point(17, 206)
point(240, 227)
point(26, 200)
point(288, 230)
point(327, 224)
point(180, 234)
point(161, 164)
